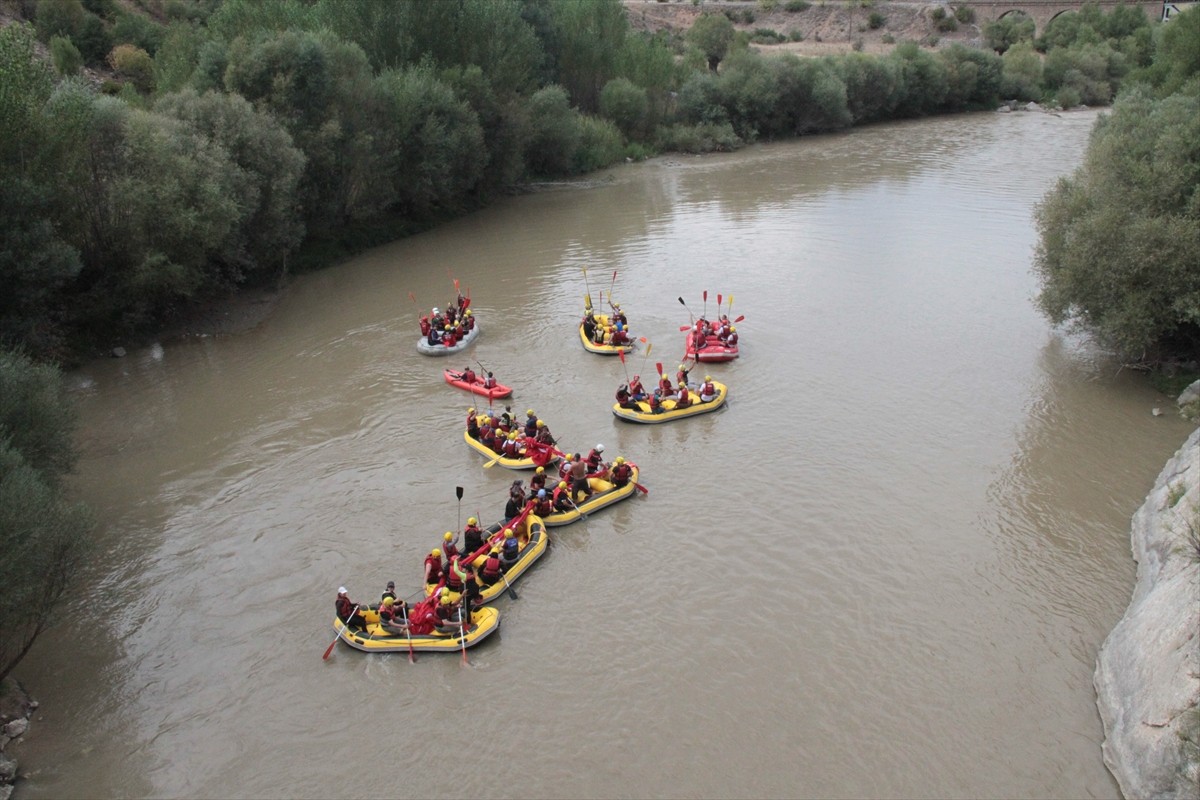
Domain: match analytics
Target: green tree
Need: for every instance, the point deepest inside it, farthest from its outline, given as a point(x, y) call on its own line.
point(554, 134)
point(42, 536)
point(1177, 58)
point(1119, 252)
point(133, 64)
point(590, 35)
point(66, 56)
point(973, 77)
point(872, 86)
point(1021, 78)
point(713, 34)
point(627, 106)
point(1008, 30)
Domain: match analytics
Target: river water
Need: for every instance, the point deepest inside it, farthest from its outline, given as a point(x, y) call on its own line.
point(883, 571)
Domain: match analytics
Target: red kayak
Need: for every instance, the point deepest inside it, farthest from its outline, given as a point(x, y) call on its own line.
point(476, 386)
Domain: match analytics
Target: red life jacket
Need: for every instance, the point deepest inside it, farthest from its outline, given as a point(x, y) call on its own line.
point(621, 474)
point(453, 579)
point(684, 398)
point(468, 376)
point(491, 568)
point(425, 326)
point(708, 390)
point(433, 569)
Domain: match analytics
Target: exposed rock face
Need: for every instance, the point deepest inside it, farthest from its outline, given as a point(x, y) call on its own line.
point(1148, 670)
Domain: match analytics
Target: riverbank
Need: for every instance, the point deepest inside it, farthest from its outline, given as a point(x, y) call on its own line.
point(16, 709)
point(1147, 675)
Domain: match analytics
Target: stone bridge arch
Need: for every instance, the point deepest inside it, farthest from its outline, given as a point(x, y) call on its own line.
point(1042, 11)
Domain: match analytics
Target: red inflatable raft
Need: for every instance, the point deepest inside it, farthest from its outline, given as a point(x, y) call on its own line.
point(476, 386)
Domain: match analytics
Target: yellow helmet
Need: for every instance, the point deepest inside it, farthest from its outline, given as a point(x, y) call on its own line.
point(387, 601)
point(448, 536)
point(508, 533)
point(562, 484)
point(472, 521)
point(435, 553)
point(445, 590)
point(469, 313)
point(446, 600)
point(470, 411)
point(733, 330)
point(512, 435)
point(529, 412)
point(540, 471)
point(620, 460)
point(681, 367)
point(708, 377)
point(484, 419)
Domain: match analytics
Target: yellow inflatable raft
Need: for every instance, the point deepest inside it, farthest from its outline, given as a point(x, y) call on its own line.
point(484, 622)
point(603, 494)
point(533, 538)
point(524, 462)
point(670, 412)
point(603, 349)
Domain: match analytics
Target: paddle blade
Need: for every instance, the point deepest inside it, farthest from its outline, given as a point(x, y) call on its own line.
point(658, 365)
point(458, 490)
point(456, 284)
point(412, 297)
point(614, 276)
point(329, 649)
point(492, 463)
point(649, 347)
point(706, 295)
point(682, 303)
point(718, 301)
point(683, 328)
point(739, 319)
point(641, 488)
point(621, 355)
point(731, 303)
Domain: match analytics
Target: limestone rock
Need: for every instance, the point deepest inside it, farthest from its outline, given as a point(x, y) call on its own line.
point(16, 728)
point(1148, 670)
point(1190, 395)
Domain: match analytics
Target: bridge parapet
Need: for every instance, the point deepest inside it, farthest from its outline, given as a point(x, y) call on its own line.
point(1042, 11)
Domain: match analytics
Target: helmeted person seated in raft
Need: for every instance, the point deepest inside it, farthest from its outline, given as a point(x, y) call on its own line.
point(636, 390)
point(472, 424)
point(708, 392)
point(393, 616)
point(467, 375)
point(625, 399)
point(621, 472)
point(589, 323)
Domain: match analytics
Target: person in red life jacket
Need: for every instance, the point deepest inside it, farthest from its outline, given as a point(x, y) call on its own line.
point(625, 399)
point(449, 545)
point(708, 392)
point(681, 376)
point(621, 472)
point(490, 573)
point(733, 338)
point(462, 303)
point(510, 448)
point(619, 316)
point(454, 575)
point(467, 375)
point(393, 616)
point(448, 617)
point(487, 434)
point(542, 505)
point(451, 313)
point(472, 424)
point(471, 597)
point(699, 338)
point(425, 326)
point(531, 422)
point(347, 610)
point(538, 481)
point(543, 433)
point(507, 423)
point(664, 386)
point(594, 459)
point(636, 390)
point(472, 536)
point(620, 337)
point(490, 381)
point(562, 498)
point(437, 320)
point(684, 398)
point(468, 320)
point(579, 481)
point(433, 566)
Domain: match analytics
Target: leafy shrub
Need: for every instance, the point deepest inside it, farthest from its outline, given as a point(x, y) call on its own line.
point(887, 38)
point(767, 6)
point(58, 18)
point(796, 35)
point(964, 14)
point(600, 144)
point(1008, 31)
point(876, 20)
point(1021, 78)
point(704, 137)
point(796, 6)
point(134, 64)
point(627, 105)
point(766, 36)
point(138, 31)
point(942, 21)
point(66, 56)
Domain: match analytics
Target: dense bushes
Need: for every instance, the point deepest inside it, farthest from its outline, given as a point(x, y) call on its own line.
point(1120, 238)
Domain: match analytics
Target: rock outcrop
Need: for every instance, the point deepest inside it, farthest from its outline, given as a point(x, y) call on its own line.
point(1148, 670)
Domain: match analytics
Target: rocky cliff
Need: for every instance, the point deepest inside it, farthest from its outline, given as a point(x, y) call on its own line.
point(1148, 670)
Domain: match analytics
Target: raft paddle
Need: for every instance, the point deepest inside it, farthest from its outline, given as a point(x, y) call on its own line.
point(621, 355)
point(462, 629)
point(690, 314)
point(508, 586)
point(705, 302)
point(458, 490)
point(493, 462)
point(412, 657)
point(345, 625)
point(588, 296)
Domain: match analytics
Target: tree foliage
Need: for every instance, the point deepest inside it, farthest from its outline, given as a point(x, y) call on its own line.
point(1120, 238)
point(43, 536)
point(713, 34)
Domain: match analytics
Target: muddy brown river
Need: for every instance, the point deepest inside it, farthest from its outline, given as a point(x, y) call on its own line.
point(883, 571)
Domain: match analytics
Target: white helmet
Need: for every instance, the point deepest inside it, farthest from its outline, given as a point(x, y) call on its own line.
point(599, 448)
point(435, 310)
